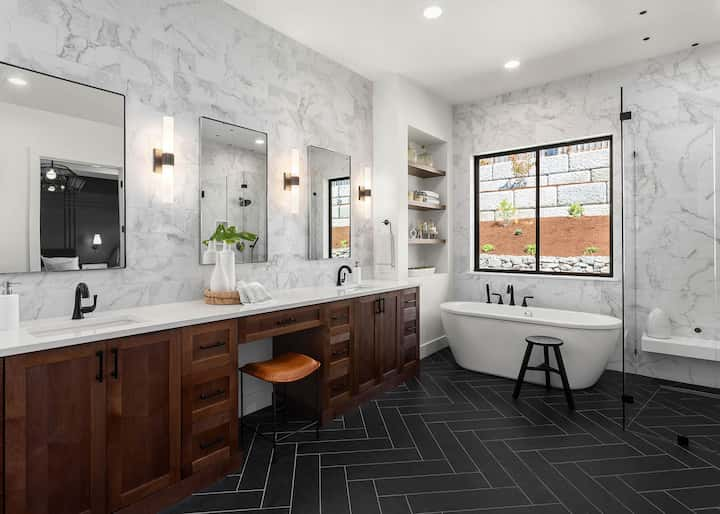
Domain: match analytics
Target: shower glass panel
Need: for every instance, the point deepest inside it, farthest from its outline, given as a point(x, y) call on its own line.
point(670, 234)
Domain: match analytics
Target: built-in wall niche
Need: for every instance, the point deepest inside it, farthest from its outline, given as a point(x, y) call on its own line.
point(427, 203)
point(62, 174)
point(233, 188)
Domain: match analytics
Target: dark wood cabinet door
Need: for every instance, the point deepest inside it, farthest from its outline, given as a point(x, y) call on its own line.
point(143, 409)
point(55, 431)
point(366, 358)
point(386, 334)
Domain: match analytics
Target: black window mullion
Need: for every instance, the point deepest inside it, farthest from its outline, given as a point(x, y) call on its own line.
point(537, 211)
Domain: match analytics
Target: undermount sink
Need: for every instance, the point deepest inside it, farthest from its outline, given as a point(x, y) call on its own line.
point(82, 326)
point(352, 288)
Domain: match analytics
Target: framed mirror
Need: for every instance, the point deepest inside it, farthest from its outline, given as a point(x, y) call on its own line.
point(233, 186)
point(330, 204)
point(62, 174)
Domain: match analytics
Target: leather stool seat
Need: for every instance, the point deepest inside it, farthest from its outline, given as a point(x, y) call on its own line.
point(288, 367)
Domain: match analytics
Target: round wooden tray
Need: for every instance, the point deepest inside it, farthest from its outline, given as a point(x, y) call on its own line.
point(213, 298)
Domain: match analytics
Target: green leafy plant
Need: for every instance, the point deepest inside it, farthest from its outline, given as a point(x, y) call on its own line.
point(507, 211)
point(518, 232)
point(576, 210)
point(344, 243)
point(487, 248)
point(530, 249)
point(591, 250)
point(230, 235)
point(520, 167)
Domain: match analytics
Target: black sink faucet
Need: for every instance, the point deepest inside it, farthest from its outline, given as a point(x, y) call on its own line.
point(342, 277)
point(82, 291)
point(500, 300)
point(525, 299)
point(511, 292)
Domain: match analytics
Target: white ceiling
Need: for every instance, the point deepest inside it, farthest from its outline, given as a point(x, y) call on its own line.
point(229, 134)
point(461, 55)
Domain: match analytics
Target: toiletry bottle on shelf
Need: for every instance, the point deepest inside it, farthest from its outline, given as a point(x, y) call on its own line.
point(357, 273)
point(9, 307)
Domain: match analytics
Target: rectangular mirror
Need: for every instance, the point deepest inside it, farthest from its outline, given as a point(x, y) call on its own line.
point(233, 186)
point(62, 173)
point(330, 204)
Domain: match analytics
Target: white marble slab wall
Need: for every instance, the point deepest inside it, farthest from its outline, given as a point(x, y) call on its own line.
point(192, 59)
point(674, 100)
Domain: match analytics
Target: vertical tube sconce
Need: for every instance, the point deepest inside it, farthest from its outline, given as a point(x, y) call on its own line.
point(164, 160)
point(364, 190)
point(291, 181)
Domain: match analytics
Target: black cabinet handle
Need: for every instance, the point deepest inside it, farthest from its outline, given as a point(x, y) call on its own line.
point(286, 321)
point(382, 304)
point(377, 306)
point(410, 302)
point(101, 367)
point(210, 444)
point(116, 371)
point(214, 394)
point(211, 346)
point(338, 353)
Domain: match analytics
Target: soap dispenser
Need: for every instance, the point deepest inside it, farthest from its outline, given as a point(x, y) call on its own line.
point(9, 307)
point(357, 273)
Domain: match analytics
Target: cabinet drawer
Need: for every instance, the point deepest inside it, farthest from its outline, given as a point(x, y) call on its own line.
point(338, 386)
point(210, 446)
point(338, 369)
point(409, 298)
point(209, 345)
point(339, 346)
point(339, 315)
point(211, 393)
point(279, 323)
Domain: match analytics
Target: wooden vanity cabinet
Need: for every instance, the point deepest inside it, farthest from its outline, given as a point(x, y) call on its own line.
point(143, 416)
point(92, 428)
point(55, 431)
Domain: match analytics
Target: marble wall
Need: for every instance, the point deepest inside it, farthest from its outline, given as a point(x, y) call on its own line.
point(192, 59)
point(674, 100)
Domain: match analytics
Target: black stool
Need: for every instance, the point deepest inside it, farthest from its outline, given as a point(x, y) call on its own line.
point(546, 342)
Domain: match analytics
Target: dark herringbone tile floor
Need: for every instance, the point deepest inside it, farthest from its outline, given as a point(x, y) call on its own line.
point(453, 441)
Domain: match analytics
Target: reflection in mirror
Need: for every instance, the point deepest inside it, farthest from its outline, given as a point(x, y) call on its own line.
point(62, 159)
point(330, 204)
point(233, 186)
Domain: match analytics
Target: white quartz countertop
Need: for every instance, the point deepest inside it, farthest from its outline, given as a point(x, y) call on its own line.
point(51, 333)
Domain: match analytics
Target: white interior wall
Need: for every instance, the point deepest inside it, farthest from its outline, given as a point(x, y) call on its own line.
point(399, 104)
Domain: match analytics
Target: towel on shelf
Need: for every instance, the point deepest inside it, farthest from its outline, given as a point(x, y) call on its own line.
point(252, 292)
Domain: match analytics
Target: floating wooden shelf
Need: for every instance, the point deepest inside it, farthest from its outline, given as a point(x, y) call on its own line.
point(422, 171)
point(422, 206)
point(426, 241)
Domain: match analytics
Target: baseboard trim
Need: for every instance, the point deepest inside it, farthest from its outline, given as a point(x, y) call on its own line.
point(433, 346)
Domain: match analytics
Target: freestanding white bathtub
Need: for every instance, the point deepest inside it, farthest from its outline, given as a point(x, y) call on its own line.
point(490, 338)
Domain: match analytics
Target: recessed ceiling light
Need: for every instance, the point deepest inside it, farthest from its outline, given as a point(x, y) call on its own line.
point(642, 13)
point(17, 81)
point(646, 38)
point(512, 64)
point(433, 12)
point(51, 174)
point(259, 141)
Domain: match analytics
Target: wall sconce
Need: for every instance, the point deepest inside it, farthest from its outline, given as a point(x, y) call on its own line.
point(364, 190)
point(97, 241)
point(291, 181)
point(164, 159)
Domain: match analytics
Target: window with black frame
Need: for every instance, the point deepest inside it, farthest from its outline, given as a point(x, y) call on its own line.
point(545, 209)
point(339, 217)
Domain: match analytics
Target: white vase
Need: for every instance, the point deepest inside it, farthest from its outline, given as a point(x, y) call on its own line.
point(228, 257)
point(218, 279)
point(658, 324)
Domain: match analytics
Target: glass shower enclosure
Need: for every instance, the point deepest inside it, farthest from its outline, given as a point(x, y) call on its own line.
point(670, 155)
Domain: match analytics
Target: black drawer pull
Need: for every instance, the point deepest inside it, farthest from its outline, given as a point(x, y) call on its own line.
point(211, 346)
point(210, 444)
point(410, 302)
point(213, 394)
point(339, 353)
point(101, 366)
point(286, 321)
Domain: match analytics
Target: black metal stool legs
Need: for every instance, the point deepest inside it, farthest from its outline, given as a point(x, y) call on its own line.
point(563, 377)
point(523, 370)
point(546, 352)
